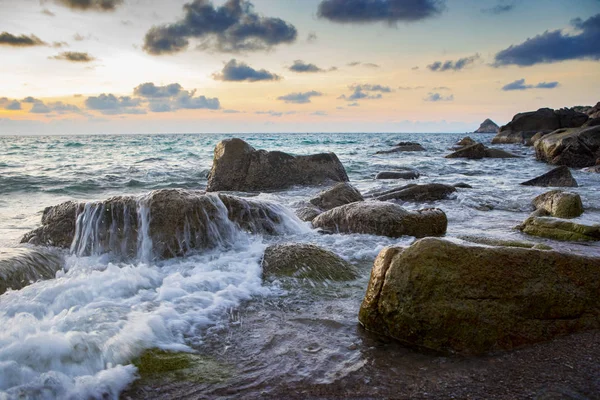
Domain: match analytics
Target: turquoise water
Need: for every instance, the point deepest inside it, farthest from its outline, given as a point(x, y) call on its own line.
point(76, 335)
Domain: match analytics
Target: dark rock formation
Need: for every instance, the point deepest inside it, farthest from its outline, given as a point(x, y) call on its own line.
point(21, 266)
point(488, 126)
point(402, 147)
point(416, 193)
point(451, 297)
point(576, 148)
point(558, 177)
point(406, 174)
point(237, 166)
point(479, 151)
point(340, 194)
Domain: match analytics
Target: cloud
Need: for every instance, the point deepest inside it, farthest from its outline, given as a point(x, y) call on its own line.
point(450, 65)
point(173, 97)
point(74, 56)
point(520, 85)
point(109, 104)
point(47, 12)
point(233, 27)
point(231, 111)
point(361, 92)
point(500, 8)
point(311, 38)
point(435, 97)
point(389, 11)
point(319, 113)
point(274, 113)
point(299, 98)
point(13, 105)
point(235, 71)
point(441, 88)
point(372, 88)
point(411, 87)
point(555, 46)
point(357, 63)
point(353, 105)
point(39, 107)
point(301, 66)
point(90, 5)
point(8, 39)
point(150, 90)
point(186, 100)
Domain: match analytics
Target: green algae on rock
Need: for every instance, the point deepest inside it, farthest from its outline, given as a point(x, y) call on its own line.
point(560, 229)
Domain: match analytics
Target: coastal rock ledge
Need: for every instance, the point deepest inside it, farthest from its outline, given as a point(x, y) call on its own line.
point(237, 166)
point(470, 299)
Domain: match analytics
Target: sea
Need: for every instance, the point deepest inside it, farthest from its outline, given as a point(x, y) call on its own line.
point(77, 335)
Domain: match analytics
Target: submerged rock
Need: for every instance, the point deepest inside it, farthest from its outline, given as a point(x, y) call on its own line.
point(406, 174)
point(306, 261)
point(340, 194)
point(560, 176)
point(559, 204)
point(237, 166)
point(164, 223)
point(576, 148)
point(451, 297)
point(384, 219)
point(22, 266)
point(488, 126)
point(417, 193)
point(402, 147)
point(479, 151)
point(559, 229)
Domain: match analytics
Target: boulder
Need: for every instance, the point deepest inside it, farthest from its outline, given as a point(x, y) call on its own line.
point(496, 242)
point(488, 126)
point(406, 174)
point(21, 266)
point(340, 194)
point(466, 141)
point(575, 148)
point(237, 166)
point(384, 219)
point(525, 125)
point(417, 193)
point(594, 112)
point(307, 212)
point(473, 300)
point(559, 204)
point(164, 223)
point(462, 185)
point(559, 229)
point(402, 147)
point(479, 151)
point(535, 138)
point(592, 122)
point(560, 176)
point(306, 261)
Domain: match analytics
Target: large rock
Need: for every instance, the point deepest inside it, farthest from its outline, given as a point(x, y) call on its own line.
point(524, 125)
point(384, 219)
point(576, 148)
point(402, 147)
point(21, 266)
point(165, 223)
point(488, 126)
point(559, 204)
point(307, 212)
point(405, 174)
point(479, 151)
point(340, 194)
point(237, 166)
point(471, 299)
point(301, 260)
point(559, 229)
point(558, 177)
point(417, 193)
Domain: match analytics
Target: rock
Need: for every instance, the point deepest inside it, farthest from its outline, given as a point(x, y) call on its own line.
point(402, 147)
point(340, 194)
point(407, 174)
point(21, 266)
point(525, 125)
point(560, 176)
point(462, 185)
point(559, 204)
point(535, 138)
point(473, 300)
point(417, 193)
point(306, 261)
point(575, 148)
point(592, 122)
point(307, 212)
point(488, 126)
point(559, 229)
point(489, 241)
point(466, 141)
point(594, 112)
point(165, 223)
point(237, 166)
point(479, 151)
point(384, 219)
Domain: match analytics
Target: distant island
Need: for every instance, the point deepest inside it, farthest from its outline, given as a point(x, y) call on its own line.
point(488, 126)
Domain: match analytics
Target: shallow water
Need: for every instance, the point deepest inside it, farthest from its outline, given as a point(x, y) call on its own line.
point(75, 336)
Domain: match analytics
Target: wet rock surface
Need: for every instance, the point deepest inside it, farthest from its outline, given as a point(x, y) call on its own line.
point(576, 148)
point(558, 177)
point(416, 193)
point(559, 204)
point(340, 194)
point(560, 229)
point(478, 151)
point(22, 266)
point(402, 147)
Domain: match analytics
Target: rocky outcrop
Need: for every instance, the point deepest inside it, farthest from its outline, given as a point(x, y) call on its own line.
point(384, 219)
point(525, 125)
point(471, 299)
point(307, 212)
point(164, 223)
point(559, 229)
point(340, 194)
point(576, 148)
point(559, 204)
point(21, 266)
point(402, 147)
point(558, 177)
point(416, 193)
point(306, 261)
point(488, 126)
point(404, 174)
point(237, 166)
point(479, 151)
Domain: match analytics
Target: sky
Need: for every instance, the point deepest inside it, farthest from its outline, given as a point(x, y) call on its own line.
point(238, 66)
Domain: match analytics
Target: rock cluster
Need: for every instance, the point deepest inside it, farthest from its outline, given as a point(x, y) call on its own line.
point(575, 148)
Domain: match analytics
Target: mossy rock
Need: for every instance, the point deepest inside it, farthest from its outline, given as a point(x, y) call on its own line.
point(559, 229)
point(306, 261)
point(488, 241)
point(156, 364)
point(559, 204)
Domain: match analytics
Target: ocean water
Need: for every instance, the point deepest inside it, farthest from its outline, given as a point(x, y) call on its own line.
point(75, 336)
